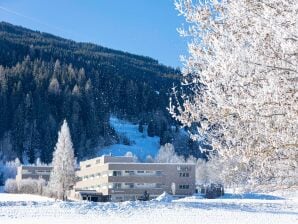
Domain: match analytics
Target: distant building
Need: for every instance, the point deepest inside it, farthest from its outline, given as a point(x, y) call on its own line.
point(33, 172)
point(120, 179)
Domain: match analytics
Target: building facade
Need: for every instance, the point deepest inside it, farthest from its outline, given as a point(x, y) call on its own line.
point(121, 179)
point(33, 172)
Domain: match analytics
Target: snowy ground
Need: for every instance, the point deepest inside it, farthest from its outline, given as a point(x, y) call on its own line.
point(250, 208)
point(141, 144)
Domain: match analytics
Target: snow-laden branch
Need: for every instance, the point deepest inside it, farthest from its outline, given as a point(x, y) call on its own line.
point(244, 55)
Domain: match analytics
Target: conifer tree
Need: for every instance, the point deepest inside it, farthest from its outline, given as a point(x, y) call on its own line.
point(63, 173)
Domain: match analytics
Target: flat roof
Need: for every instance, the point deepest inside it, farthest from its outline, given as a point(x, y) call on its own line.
point(42, 166)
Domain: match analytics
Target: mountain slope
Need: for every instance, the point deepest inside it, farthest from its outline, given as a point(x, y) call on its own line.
point(131, 140)
point(44, 79)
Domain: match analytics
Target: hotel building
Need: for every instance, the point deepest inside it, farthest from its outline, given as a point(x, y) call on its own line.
point(110, 178)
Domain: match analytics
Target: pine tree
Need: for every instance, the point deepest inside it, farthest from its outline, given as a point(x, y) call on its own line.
point(63, 173)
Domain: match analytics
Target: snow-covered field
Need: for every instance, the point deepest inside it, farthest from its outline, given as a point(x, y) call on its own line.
point(141, 144)
point(240, 209)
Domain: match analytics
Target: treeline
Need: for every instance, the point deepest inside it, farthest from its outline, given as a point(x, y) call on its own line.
point(44, 79)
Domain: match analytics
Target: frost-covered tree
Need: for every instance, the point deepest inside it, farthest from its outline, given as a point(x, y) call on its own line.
point(11, 186)
point(8, 170)
point(243, 75)
point(63, 174)
point(208, 172)
point(167, 154)
point(54, 86)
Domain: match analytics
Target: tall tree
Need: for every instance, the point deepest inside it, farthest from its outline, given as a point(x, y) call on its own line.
point(63, 174)
point(242, 71)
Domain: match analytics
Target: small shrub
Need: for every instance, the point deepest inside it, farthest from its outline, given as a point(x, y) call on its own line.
point(11, 186)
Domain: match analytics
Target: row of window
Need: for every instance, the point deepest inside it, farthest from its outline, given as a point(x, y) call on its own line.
point(179, 168)
point(92, 176)
point(136, 185)
point(125, 186)
point(133, 186)
point(136, 172)
point(45, 172)
point(123, 173)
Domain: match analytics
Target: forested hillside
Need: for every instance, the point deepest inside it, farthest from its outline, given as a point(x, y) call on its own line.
point(44, 79)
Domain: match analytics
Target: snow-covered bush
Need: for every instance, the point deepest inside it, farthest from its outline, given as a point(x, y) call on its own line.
point(25, 186)
point(11, 186)
point(167, 154)
point(30, 186)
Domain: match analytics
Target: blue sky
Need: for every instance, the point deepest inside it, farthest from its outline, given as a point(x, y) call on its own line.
point(146, 27)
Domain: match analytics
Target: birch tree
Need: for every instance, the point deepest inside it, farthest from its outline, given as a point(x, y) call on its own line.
point(63, 174)
point(242, 72)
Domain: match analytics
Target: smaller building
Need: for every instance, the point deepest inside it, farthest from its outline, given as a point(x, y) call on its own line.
point(34, 172)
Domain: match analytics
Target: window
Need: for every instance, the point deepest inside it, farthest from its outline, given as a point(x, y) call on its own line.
point(116, 173)
point(184, 174)
point(158, 173)
point(88, 165)
point(140, 171)
point(129, 185)
point(117, 185)
point(26, 172)
point(184, 186)
point(158, 185)
point(129, 172)
point(42, 171)
point(97, 161)
point(118, 198)
point(139, 185)
point(183, 168)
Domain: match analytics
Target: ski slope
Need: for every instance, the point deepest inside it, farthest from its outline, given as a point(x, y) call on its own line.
point(232, 209)
point(141, 144)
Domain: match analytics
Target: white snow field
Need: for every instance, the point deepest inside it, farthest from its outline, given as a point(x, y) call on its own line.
point(141, 144)
point(232, 209)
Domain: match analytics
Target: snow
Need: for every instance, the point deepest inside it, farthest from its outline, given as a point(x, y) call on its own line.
point(164, 197)
point(4, 197)
point(141, 144)
point(250, 208)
